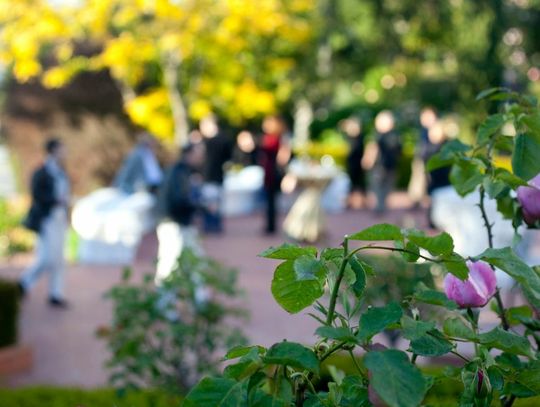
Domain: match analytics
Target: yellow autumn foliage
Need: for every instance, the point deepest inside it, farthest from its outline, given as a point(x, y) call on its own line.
point(215, 45)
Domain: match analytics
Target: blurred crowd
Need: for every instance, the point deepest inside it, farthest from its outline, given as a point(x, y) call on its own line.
point(187, 196)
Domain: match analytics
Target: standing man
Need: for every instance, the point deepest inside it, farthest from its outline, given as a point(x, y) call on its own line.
point(178, 200)
point(218, 152)
point(140, 170)
point(382, 157)
point(48, 217)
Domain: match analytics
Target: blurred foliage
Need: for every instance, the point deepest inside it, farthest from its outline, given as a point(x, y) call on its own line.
point(166, 337)
point(14, 238)
point(169, 58)
point(244, 58)
point(70, 397)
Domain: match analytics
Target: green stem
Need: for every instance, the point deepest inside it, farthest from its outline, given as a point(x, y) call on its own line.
point(460, 356)
point(362, 372)
point(331, 350)
point(396, 249)
point(335, 291)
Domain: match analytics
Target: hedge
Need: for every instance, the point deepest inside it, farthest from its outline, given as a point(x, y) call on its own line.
point(9, 310)
point(71, 397)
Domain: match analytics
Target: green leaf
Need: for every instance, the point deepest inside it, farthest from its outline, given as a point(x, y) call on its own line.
point(354, 392)
point(382, 231)
point(433, 297)
point(239, 351)
point(413, 329)
point(332, 253)
point(532, 121)
point(245, 367)
point(494, 187)
point(465, 176)
point(292, 354)
point(507, 261)
point(398, 382)
point(508, 178)
point(288, 252)
point(431, 344)
point(456, 328)
point(529, 377)
point(376, 319)
point(489, 127)
point(308, 267)
point(360, 273)
point(525, 162)
point(449, 152)
point(438, 245)
point(517, 315)
point(290, 293)
point(338, 334)
point(216, 392)
point(412, 252)
point(506, 341)
point(490, 92)
point(456, 265)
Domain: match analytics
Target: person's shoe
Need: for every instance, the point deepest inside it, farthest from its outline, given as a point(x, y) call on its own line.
point(58, 303)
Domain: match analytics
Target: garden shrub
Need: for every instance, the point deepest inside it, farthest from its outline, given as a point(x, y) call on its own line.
point(13, 237)
point(9, 312)
point(166, 337)
point(499, 364)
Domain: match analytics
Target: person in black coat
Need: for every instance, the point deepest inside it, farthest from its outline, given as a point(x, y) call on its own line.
point(352, 128)
point(218, 151)
point(178, 201)
point(48, 218)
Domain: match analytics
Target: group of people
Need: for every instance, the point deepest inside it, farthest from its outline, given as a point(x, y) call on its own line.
point(375, 164)
point(192, 185)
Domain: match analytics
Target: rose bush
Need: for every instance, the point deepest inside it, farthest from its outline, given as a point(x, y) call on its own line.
point(500, 363)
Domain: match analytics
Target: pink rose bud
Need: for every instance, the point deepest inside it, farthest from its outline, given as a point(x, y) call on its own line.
point(529, 198)
point(476, 290)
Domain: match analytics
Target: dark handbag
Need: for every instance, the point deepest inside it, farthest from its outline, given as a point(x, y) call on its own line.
point(32, 221)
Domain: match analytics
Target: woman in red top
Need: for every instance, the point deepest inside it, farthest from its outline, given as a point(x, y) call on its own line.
point(274, 155)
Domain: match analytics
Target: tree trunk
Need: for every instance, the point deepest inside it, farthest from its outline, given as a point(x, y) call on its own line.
point(171, 65)
point(303, 116)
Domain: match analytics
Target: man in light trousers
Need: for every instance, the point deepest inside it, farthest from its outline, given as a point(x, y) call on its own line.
point(48, 217)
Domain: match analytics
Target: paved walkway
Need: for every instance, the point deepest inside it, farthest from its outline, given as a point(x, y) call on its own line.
point(67, 351)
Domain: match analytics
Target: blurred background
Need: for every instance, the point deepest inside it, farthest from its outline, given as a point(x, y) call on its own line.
point(95, 73)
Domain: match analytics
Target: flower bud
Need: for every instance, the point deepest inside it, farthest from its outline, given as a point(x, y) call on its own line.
point(529, 198)
point(476, 291)
point(481, 388)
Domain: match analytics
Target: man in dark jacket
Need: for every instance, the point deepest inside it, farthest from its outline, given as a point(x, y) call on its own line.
point(218, 151)
point(48, 217)
point(178, 200)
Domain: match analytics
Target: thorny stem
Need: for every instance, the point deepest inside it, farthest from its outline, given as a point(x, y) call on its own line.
point(506, 401)
point(335, 291)
point(460, 356)
point(489, 226)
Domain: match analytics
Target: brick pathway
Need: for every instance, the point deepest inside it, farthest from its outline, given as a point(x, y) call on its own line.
point(66, 349)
